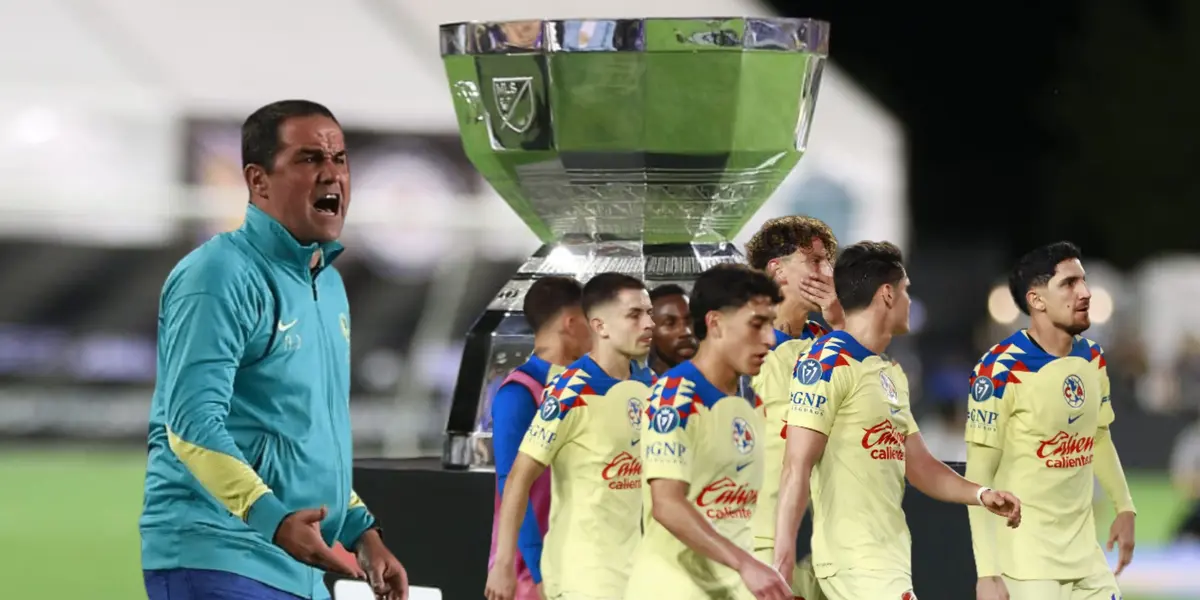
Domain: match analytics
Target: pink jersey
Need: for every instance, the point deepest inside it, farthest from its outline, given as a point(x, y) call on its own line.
point(539, 497)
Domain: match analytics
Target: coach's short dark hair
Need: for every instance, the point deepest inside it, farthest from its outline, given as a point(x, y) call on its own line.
point(548, 297)
point(260, 132)
point(1036, 269)
point(862, 269)
point(666, 290)
point(783, 236)
point(728, 287)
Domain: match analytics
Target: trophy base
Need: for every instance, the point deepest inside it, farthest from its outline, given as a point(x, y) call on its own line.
point(501, 340)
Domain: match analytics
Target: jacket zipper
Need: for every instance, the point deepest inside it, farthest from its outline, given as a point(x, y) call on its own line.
point(325, 352)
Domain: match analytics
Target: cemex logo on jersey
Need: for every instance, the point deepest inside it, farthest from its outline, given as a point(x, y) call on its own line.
point(884, 441)
point(623, 472)
point(1066, 450)
point(726, 499)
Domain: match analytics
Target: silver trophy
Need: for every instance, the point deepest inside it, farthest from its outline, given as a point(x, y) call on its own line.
point(640, 146)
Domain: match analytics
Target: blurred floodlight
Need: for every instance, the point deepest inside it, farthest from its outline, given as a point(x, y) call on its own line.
point(34, 127)
point(1001, 307)
point(1102, 306)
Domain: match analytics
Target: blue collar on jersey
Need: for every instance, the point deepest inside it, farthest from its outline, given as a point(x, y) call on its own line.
point(780, 337)
point(538, 365)
point(276, 241)
point(600, 382)
point(702, 388)
point(811, 330)
point(1035, 357)
point(845, 344)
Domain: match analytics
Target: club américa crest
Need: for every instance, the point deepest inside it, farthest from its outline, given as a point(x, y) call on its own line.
point(889, 388)
point(635, 413)
point(743, 436)
point(1073, 391)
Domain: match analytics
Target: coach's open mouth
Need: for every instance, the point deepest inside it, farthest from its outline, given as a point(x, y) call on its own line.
point(329, 204)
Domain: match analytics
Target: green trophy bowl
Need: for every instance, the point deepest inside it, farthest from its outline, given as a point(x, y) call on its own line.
point(640, 146)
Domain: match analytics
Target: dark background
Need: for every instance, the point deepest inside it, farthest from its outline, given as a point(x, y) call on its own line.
point(1030, 122)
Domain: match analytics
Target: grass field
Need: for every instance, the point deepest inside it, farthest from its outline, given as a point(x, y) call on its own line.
point(68, 521)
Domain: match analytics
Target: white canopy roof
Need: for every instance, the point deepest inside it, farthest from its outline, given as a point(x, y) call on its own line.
point(138, 65)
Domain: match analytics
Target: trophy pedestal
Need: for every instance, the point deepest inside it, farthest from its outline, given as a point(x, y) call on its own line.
point(438, 522)
point(500, 340)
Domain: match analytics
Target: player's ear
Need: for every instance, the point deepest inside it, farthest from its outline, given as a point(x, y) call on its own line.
point(775, 270)
point(256, 180)
point(566, 322)
point(712, 320)
point(887, 293)
point(1034, 300)
point(596, 324)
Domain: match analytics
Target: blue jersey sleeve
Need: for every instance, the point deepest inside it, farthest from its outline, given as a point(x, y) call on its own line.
point(513, 410)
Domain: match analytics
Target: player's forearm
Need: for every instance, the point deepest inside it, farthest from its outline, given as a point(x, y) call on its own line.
point(982, 464)
point(1110, 474)
point(794, 493)
point(933, 477)
point(513, 505)
point(938, 481)
point(686, 523)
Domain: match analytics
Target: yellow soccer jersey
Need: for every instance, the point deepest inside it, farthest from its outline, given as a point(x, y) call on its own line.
point(588, 430)
point(1043, 413)
point(696, 434)
point(859, 400)
point(772, 384)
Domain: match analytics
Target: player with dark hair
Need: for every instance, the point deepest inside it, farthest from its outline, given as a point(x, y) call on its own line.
point(674, 341)
point(586, 431)
point(553, 307)
point(249, 463)
point(1039, 422)
point(701, 456)
point(797, 253)
point(852, 436)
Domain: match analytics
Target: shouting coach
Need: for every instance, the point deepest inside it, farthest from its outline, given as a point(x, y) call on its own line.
point(248, 478)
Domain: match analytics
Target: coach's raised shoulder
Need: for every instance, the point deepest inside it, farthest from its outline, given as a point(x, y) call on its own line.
point(218, 268)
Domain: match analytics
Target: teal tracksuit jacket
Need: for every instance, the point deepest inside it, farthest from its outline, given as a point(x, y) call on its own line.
point(250, 417)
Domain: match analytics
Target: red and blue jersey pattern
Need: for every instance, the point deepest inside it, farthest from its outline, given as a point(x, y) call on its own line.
point(834, 349)
point(670, 393)
point(811, 331)
point(1005, 362)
